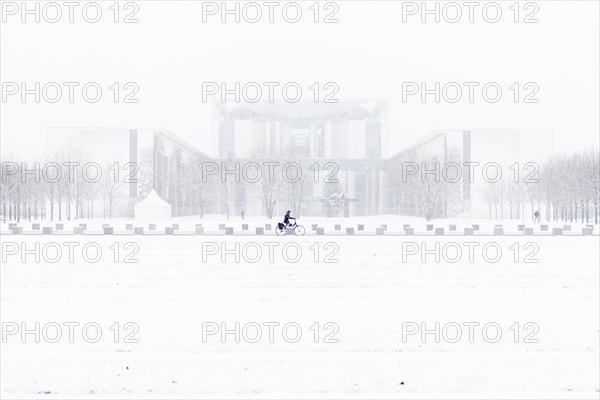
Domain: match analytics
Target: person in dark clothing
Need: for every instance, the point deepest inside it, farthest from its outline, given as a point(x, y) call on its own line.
point(536, 216)
point(287, 217)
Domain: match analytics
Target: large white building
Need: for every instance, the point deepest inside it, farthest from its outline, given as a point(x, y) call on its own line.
point(342, 140)
point(344, 136)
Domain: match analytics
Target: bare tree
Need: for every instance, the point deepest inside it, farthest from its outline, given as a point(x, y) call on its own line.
point(296, 175)
point(487, 193)
point(428, 191)
point(8, 184)
point(202, 188)
point(111, 190)
point(270, 187)
point(514, 197)
point(592, 182)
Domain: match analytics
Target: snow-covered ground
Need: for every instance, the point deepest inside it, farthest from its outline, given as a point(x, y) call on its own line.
point(365, 293)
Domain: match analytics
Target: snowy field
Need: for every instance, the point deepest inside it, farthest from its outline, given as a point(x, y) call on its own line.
point(370, 296)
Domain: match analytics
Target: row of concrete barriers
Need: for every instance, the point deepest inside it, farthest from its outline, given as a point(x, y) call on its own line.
point(199, 229)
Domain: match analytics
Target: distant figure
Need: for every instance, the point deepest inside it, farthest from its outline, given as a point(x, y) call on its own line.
point(536, 216)
point(242, 213)
point(287, 217)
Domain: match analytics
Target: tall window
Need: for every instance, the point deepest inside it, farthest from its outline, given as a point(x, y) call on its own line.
point(300, 142)
point(320, 142)
point(373, 139)
point(226, 139)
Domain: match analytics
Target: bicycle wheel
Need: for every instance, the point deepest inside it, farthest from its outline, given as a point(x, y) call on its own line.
point(299, 230)
point(280, 232)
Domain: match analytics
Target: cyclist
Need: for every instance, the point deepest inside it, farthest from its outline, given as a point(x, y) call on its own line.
point(287, 217)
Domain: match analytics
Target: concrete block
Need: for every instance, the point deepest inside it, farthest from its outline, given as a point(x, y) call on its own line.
point(567, 228)
point(314, 227)
point(47, 230)
point(169, 230)
point(108, 230)
point(17, 230)
point(498, 230)
point(586, 231)
point(35, 227)
point(521, 227)
point(361, 227)
point(260, 230)
point(384, 226)
point(379, 231)
point(221, 227)
point(557, 231)
point(349, 231)
point(77, 230)
point(138, 230)
point(244, 227)
point(290, 231)
point(439, 231)
point(84, 226)
point(199, 230)
point(11, 225)
point(452, 228)
point(405, 226)
point(320, 231)
point(429, 227)
point(469, 231)
point(59, 227)
point(152, 227)
point(175, 227)
point(337, 227)
point(528, 231)
point(228, 230)
point(268, 227)
point(409, 231)
point(544, 228)
point(475, 227)
point(128, 227)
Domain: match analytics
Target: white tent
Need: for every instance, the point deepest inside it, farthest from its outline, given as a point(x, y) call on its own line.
point(152, 207)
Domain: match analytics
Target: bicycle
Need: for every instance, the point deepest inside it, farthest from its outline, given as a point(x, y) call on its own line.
point(281, 229)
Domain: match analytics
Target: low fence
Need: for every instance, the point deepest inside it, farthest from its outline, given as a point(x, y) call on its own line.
point(177, 229)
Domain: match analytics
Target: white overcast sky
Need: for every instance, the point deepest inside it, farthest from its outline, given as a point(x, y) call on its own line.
point(369, 53)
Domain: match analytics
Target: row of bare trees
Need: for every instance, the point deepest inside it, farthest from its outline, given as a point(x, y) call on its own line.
point(59, 189)
point(564, 188)
point(231, 192)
